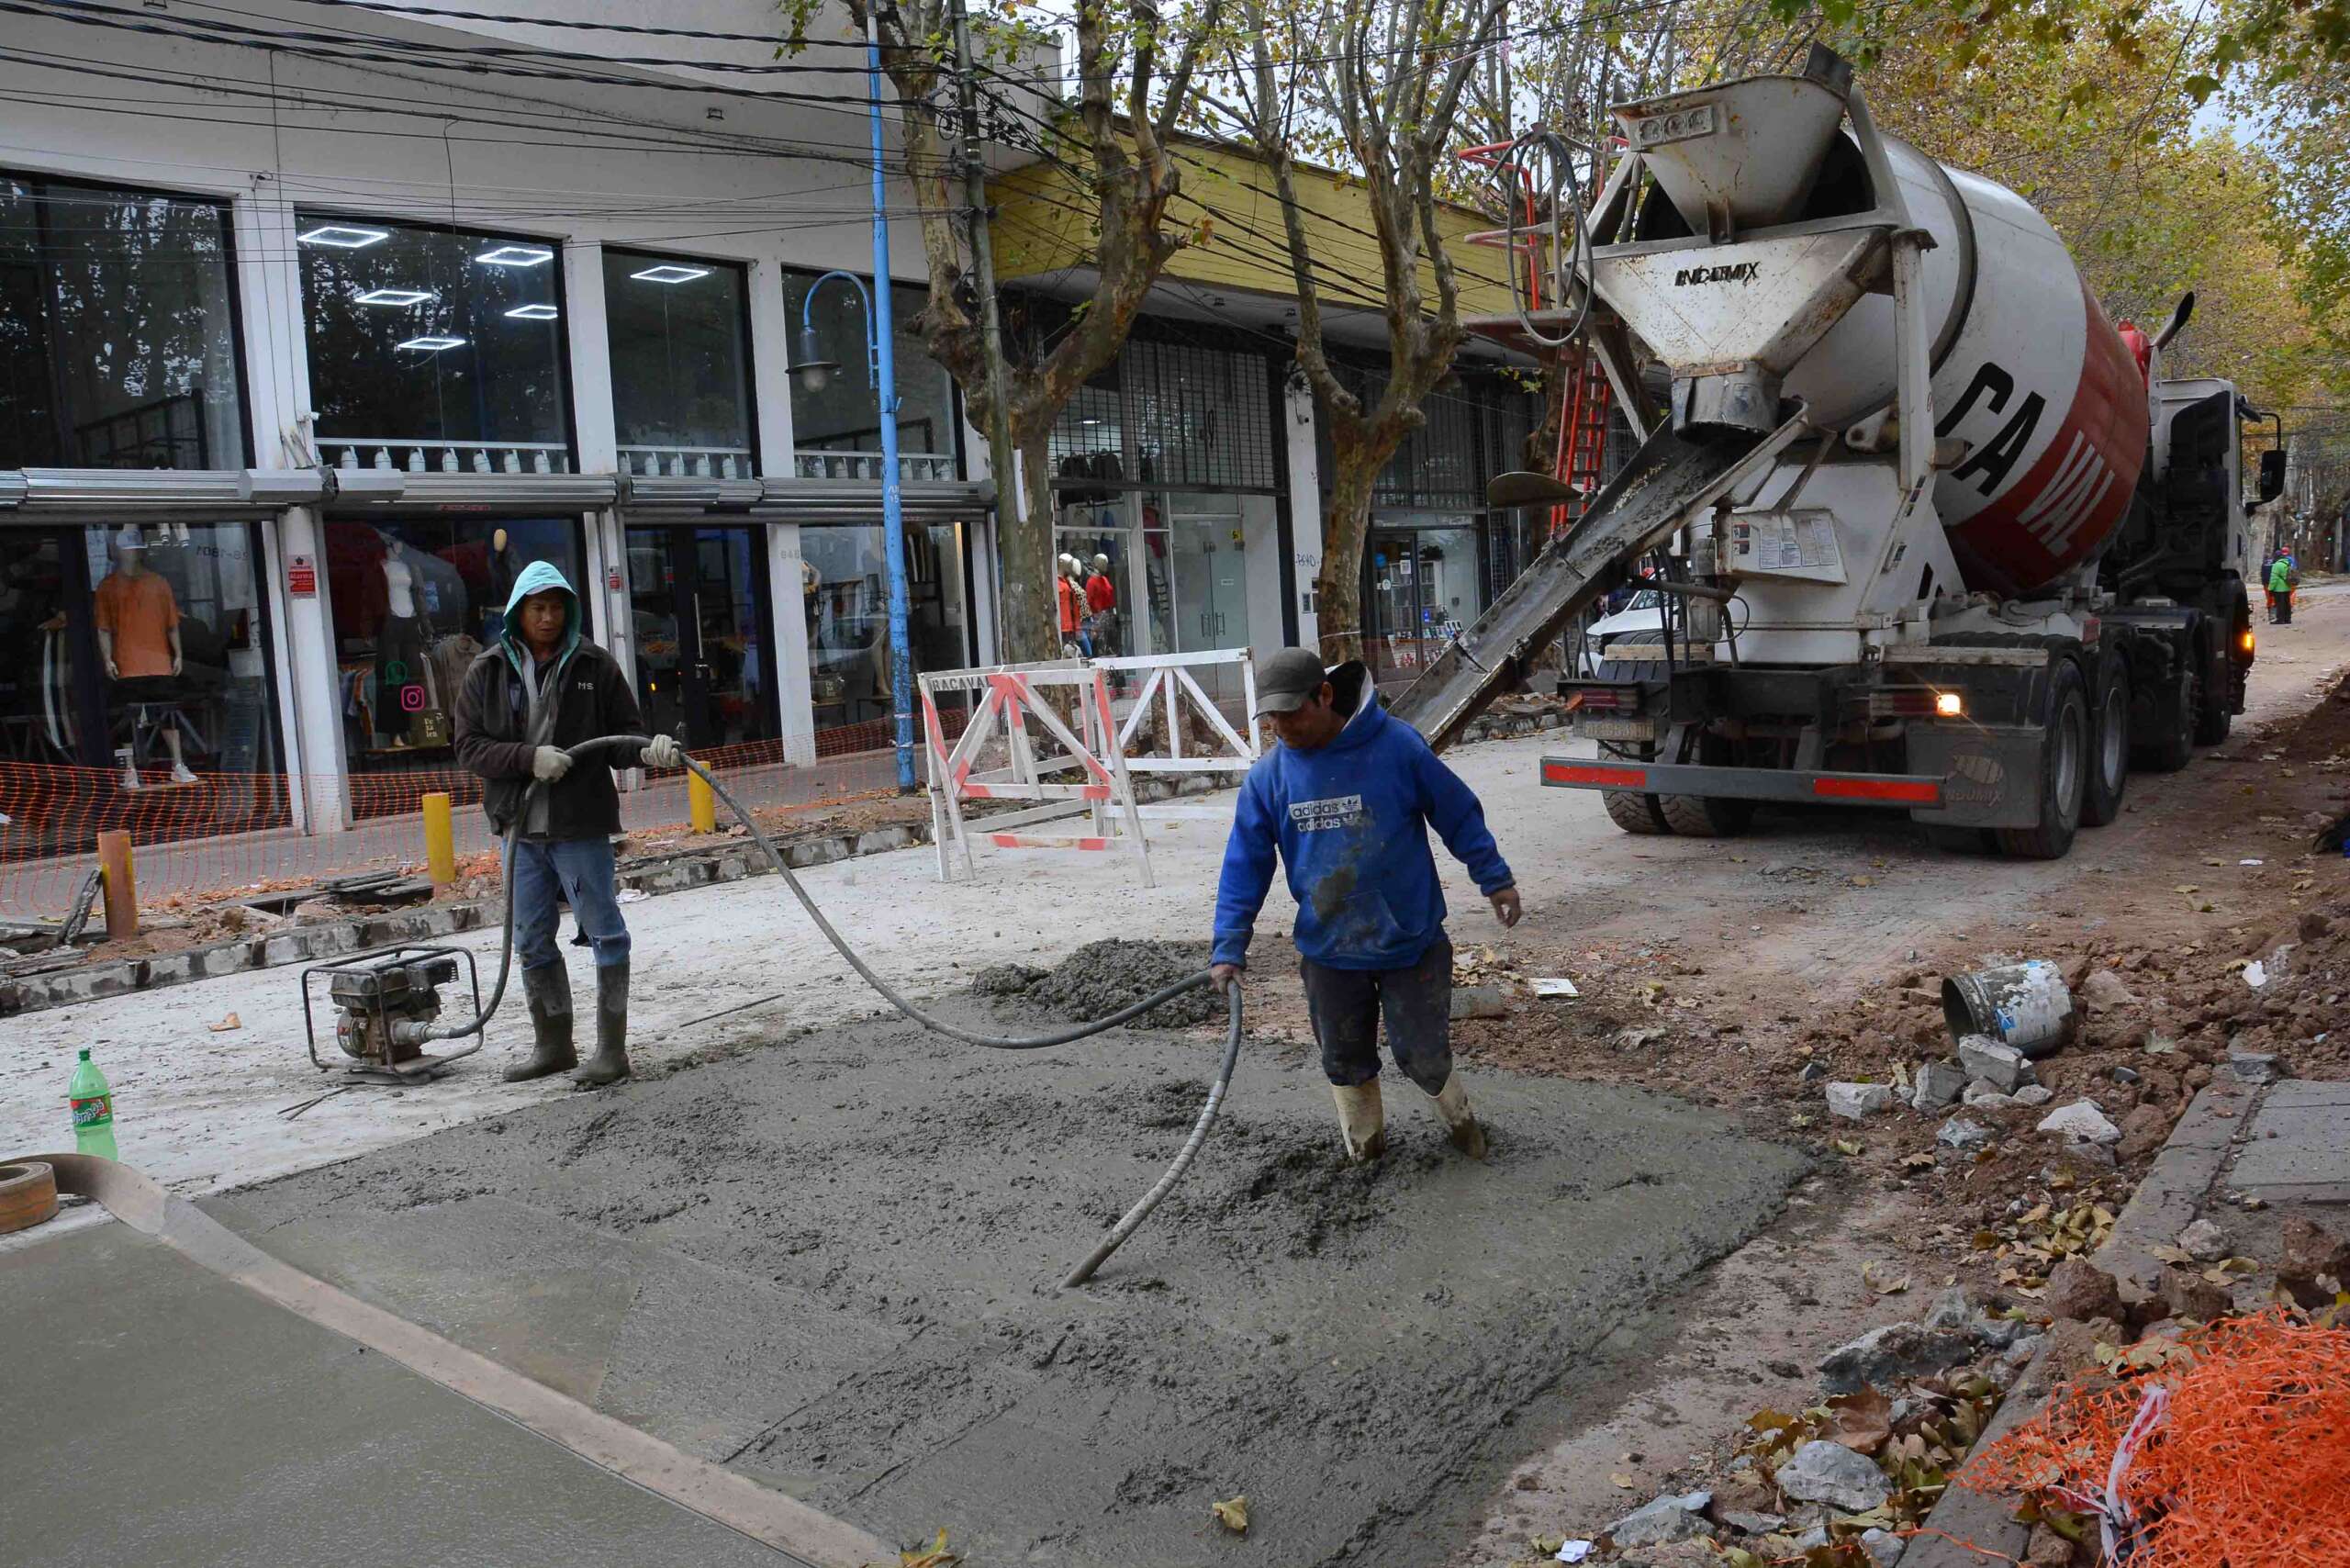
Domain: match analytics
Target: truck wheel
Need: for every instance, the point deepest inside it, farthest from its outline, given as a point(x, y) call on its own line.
point(2108, 746)
point(2063, 771)
point(2167, 744)
point(2213, 705)
point(1634, 812)
point(1706, 816)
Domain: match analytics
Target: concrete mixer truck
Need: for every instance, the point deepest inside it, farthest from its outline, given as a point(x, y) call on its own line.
point(1933, 536)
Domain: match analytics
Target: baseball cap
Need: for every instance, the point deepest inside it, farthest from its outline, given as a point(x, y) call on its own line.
point(1286, 681)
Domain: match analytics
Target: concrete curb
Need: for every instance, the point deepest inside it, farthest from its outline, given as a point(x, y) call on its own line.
point(2166, 1203)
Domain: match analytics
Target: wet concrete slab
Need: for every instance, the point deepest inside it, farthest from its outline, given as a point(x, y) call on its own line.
point(2298, 1148)
point(829, 1264)
point(160, 1414)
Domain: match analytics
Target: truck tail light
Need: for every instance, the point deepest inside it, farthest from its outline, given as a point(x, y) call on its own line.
point(1603, 699)
point(2245, 641)
point(1915, 702)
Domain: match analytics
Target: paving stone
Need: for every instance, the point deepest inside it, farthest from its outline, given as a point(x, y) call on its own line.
point(2003, 1067)
point(1674, 1516)
point(1856, 1101)
point(1938, 1084)
point(1831, 1474)
point(2080, 1121)
point(1960, 1134)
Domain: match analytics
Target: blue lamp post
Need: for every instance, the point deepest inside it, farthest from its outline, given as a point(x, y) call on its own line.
point(881, 375)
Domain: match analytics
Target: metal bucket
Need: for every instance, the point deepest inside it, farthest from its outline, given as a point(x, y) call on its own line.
point(2025, 1005)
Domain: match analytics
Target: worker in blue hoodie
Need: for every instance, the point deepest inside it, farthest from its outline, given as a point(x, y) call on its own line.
point(1346, 800)
point(541, 689)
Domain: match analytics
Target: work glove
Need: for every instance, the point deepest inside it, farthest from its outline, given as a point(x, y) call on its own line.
point(663, 751)
point(549, 763)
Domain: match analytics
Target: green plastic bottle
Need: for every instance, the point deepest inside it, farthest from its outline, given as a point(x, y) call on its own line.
point(93, 1104)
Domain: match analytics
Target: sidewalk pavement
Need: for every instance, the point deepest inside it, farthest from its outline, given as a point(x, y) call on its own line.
point(190, 1421)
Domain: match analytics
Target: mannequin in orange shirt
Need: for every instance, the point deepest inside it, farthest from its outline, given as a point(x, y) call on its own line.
point(139, 643)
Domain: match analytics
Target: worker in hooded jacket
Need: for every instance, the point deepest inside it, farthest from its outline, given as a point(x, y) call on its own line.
point(1346, 801)
point(541, 689)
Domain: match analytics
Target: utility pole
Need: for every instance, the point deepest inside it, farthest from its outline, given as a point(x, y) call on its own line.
point(893, 517)
point(1012, 540)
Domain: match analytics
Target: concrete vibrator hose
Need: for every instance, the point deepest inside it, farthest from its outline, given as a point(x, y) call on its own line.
point(418, 1033)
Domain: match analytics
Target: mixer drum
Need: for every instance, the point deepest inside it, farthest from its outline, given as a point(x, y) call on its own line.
point(2027, 371)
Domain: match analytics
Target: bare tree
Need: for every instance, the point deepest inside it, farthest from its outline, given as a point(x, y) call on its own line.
point(1378, 83)
point(1136, 71)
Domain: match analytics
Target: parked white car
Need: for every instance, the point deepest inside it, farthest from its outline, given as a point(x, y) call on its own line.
point(1644, 613)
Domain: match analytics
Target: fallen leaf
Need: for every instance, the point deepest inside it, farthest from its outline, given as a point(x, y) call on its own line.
point(1918, 1161)
point(1847, 1147)
point(1860, 1422)
point(2186, 888)
point(230, 1022)
point(1233, 1515)
point(935, 1555)
point(1880, 1284)
point(1617, 1478)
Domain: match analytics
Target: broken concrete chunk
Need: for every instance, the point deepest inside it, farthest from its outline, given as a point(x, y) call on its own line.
point(2004, 1067)
point(1478, 1001)
point(2103, 988)
point(1747, 1522)
point(1831, 1474)
point(1813, 1071)
point(1674, 1516)
point(2081, 1290)
point(1951, 1310)
point(1960, 1134)
point(2032, 1094)
point(1938, 1084)
point(2255, 1067)
point(1882, 1546)
point(1891, 1355)
point(2080, 1121)
point(2203, 1242)
point(1985, 1094)
point(1857, 1101)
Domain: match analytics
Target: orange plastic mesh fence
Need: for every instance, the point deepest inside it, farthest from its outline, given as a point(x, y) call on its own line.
point(233, 832)
point(2249, 1465)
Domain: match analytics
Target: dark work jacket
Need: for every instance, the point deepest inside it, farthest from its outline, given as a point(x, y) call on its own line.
point(591, 698)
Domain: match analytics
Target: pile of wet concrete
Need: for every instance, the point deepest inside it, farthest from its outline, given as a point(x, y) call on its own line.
point(1102, 977)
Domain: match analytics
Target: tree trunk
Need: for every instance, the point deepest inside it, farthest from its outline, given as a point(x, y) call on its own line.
point(1032, 626)
point(1345, 527)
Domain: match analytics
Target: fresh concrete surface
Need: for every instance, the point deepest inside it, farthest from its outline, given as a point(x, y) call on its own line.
point(160, 1414)
point(829, 1264)
point(2298, 1148)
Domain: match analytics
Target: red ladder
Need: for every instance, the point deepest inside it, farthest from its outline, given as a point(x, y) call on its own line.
point(1583, 438)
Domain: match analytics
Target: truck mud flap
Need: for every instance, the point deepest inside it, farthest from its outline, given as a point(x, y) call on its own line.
point(1990, 772)
point(1670, 475)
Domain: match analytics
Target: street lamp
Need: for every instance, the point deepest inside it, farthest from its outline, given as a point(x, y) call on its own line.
point(880, 369)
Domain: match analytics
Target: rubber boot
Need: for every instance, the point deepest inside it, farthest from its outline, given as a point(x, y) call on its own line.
point(610, 1064)
point(1362, 1120)
point(1461, 1123)
point(547, 991)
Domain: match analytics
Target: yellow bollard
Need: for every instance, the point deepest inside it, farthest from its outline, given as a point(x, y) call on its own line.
point(440, 840)
point(701, 805)
point(121, 886)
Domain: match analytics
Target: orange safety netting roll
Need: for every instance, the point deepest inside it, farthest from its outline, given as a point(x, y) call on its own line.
point(2229, 1451)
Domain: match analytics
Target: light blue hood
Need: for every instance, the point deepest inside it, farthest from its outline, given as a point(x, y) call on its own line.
point(537, 578)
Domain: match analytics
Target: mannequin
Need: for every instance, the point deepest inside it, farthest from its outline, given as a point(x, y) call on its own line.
point(139, 646)
point(1069, 587)
point(400, 642)
point(1102, 605)
point(505, 565)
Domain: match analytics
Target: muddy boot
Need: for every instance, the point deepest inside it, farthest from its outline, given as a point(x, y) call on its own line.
point(547, 992)
point(1452, 1107)
point(1362, 1120)
point(610, 1064)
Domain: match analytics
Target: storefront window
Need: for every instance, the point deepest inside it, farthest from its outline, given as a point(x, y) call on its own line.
point(117, 330)
point(847, 590)
point(681, 397)
point(434, 351)
point(846, 416)
point(1423, 586)
point(134, 684)
point(416, 601)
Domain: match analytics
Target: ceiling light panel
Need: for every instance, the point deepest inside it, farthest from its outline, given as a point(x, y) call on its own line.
point(393, 296)
point(532, 313)
point(431, 345)
point(670, 272)
point(341, 236)
point(515, 256)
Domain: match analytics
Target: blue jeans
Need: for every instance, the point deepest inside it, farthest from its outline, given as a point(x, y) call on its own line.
point(582, 870)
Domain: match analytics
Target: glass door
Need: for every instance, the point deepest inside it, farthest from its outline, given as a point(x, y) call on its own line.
point(1390, 607)
point(704, 659)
